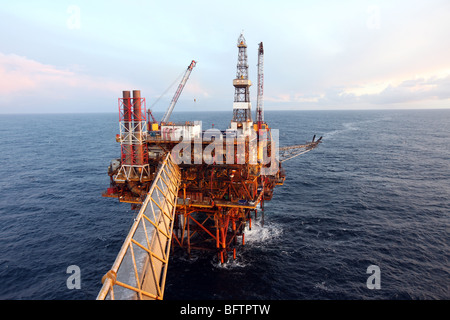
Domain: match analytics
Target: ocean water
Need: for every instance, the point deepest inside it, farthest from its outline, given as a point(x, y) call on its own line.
point(375, 192)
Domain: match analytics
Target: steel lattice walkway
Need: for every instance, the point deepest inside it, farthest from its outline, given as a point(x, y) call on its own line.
point(139, 272)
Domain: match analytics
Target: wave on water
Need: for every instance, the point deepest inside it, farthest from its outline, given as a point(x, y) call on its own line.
point(239, 262)
point(257, 237)
point(262, 233)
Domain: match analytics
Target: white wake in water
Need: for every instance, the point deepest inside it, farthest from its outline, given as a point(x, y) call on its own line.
point(260, 234)
point(352, 126)
point(257, 237)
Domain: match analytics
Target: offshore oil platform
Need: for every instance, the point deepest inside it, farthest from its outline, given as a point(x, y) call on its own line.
point(194, 189)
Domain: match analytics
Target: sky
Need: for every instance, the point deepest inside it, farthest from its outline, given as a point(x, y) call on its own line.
point(78, 56)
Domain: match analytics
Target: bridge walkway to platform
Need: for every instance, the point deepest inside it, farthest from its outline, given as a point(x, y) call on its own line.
point(140, 269)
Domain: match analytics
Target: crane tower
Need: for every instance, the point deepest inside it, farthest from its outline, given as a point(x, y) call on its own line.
point(260, 103)
point(179, 90)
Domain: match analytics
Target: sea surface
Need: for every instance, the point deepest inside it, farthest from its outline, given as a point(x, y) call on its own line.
point(376, 192)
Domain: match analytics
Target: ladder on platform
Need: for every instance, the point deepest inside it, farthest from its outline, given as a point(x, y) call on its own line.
point(139, 271)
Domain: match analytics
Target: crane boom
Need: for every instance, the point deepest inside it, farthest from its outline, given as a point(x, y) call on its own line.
point(178, 92)
point(260, 103)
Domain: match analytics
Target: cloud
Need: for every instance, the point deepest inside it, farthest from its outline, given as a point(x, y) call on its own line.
point(419, 91)
point(412, 90)
point(318, 55)
point(26, 82)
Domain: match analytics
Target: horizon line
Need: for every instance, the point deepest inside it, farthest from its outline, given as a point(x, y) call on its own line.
point(211, 111)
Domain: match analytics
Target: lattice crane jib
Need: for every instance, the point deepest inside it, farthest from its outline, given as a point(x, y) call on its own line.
point(260, 103)
point(181, 86)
